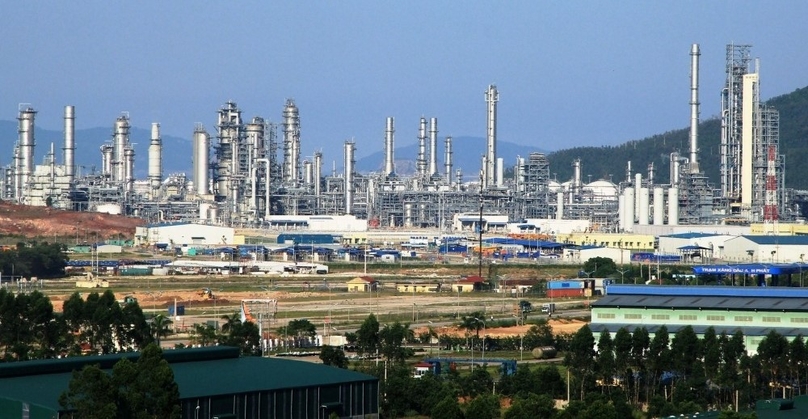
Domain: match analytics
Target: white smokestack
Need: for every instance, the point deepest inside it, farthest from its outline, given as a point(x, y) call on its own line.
point(694, 107)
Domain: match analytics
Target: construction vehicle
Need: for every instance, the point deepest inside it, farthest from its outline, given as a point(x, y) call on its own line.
point(207, 294)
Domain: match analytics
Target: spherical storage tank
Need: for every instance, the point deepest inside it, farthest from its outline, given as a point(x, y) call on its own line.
point(113, 209)
point(602, 189)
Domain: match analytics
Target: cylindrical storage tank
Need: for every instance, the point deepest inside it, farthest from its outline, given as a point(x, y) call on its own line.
point(659, 206)
point(213, 213)
point(155, 157)
point(308, 174)
point(642, 216)
point(544, 352)
point(201, 159)
point(204, 207)
point(349, 172)
point(70, 142)
point(673, 206)
point(106, 159)
point(407, 215)
point(621, 211)
point(560, 206)
point(129, 168)
point(113, 209)
point(629, 206)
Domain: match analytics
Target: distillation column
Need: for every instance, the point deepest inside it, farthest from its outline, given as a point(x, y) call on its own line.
point(433, 147)
point(318, 172)
point(448, 160)
point(350, 149)
point(389, 138)
point(694, 107)
point(420, 162)
point(120, 142)
point(70, 143)
point(25, 146)
point(291, 142)
point(201, 160)
point(155, 160)
point(491, 98)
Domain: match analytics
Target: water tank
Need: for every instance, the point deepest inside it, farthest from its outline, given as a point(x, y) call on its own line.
point(544, 352)
point(113, 209)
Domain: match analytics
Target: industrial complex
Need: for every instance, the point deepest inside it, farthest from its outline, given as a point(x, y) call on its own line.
point(249, 173)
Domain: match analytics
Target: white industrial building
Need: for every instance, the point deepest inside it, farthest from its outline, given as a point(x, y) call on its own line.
point(714, 243)
point(766, 249)
point(179, 234)
point(319, 223)
point(583, 253)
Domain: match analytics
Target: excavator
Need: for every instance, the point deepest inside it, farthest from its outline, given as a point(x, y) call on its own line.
point(207, 294)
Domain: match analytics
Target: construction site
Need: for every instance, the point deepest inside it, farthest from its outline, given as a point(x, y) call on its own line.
point(250, 173)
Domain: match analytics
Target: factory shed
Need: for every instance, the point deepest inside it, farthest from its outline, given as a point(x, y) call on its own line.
point(213, 382)
point(755, 311)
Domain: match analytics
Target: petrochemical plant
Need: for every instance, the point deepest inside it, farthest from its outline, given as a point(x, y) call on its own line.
point(249, 173)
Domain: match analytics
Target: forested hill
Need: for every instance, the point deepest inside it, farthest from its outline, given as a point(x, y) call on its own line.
point(602, 162)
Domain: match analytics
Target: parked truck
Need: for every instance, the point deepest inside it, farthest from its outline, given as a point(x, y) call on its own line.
point(548, 308)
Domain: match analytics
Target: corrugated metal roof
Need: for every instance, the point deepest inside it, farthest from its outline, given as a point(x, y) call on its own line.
point(193, 369)
point(706, 291)
point(779, 240)
point(706, 303)
point(690, 235)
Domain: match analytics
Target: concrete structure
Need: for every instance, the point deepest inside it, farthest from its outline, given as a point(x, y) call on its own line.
point(755, 311)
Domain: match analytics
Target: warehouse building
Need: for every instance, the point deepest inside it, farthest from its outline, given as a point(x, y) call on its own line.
point(755, 311)
point(213, 382)
point(766, 249)
point(184, 234)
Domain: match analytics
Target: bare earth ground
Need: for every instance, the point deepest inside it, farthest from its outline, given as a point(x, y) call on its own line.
point(27, 221)
point(558, 325)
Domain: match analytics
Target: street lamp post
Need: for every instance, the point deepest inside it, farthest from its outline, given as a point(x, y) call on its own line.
point(483, 322)
point(802, 256)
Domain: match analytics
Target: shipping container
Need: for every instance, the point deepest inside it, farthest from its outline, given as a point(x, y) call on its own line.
point(567, 284)
point(565, 293)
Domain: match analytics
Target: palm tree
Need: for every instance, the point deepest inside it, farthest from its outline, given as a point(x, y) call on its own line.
point(231, 322)
point(160, 326)
point(472, 322)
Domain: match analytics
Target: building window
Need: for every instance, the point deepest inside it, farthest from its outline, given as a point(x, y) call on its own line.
point(799, 320)
point(660, 317)
point(715, 318)
point(743, 318)
point(688, 317)
point(769, 319)
point(606, 315)
point(632, 316)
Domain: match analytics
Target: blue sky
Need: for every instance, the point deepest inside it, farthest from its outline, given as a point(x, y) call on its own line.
point(569, 73)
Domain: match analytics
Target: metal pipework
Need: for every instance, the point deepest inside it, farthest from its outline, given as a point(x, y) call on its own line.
point(350, 148)
point(201, 160)
point(491, 98)
point(389, 139)
point(120, 142)
point(448, 159)
point(694, 107)
point(420, 162)
point(70, 143)
point(433, 146)
point(26, 145)
point(155, 158)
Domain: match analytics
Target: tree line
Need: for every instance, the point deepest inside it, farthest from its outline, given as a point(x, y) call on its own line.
point(41, 260)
